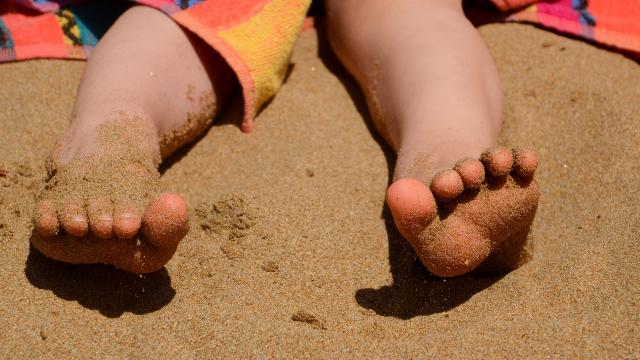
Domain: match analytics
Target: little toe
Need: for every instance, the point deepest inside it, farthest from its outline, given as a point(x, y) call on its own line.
point(166, 220)
point(100, 213)
point(73, 218)
point(525, 162)
point(412, 205)
point(45, 219)
point(447, 185)
point(471, 172)
point(126, 220)
point(497, 160)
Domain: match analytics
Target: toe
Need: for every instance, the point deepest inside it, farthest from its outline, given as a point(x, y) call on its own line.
point(100, 213)
point(166, 220)
point(447, 185)
point(126, 220)
point(164, 224)
point(525, 162)
point(471, 172)
point(412, 206)
point(73, 218)
point(497, 160)
point(45, 219)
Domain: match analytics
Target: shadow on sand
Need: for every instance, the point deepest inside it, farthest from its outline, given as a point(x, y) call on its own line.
point(414, 291)
point(104, 288)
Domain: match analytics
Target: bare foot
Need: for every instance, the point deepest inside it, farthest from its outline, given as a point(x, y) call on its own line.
point(484, 211)
point(102, 203)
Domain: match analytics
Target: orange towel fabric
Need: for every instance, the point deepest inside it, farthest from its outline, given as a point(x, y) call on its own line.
point(255, 37)
point(615, 23)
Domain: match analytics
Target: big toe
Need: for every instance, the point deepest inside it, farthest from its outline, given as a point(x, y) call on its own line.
point(412, 206)
point(166, 220)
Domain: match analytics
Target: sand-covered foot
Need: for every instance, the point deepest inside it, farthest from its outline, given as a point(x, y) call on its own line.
point(102, 202)
point(481, 209)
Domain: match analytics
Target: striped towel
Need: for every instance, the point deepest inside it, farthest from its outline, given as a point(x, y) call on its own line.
point(255, 37)
point(615, 23)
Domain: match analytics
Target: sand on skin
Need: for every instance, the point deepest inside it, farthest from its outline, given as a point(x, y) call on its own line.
point(291, 253)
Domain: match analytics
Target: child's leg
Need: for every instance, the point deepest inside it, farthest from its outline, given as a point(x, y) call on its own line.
point(434, 94)
point(147, 89)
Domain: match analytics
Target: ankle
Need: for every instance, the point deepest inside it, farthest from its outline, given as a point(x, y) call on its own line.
point(119, 132)
point(423, 161)
point(420, 165)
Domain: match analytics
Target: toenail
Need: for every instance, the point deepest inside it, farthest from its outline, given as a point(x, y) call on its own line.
point(76, 219)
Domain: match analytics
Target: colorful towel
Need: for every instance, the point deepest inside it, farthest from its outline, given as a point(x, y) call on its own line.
point(615, 23)
point(255, 37)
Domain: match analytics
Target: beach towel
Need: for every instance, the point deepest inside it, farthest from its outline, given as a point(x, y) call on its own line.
point(615, 23)
point(255, 37)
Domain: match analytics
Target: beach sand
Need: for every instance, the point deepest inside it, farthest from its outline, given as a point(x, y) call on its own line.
point(291, 251)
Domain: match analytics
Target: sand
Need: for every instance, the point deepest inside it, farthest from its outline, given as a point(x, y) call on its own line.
point(291, 253)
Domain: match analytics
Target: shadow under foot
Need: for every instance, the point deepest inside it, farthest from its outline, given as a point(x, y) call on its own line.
point(415, 291)
point(104, 288)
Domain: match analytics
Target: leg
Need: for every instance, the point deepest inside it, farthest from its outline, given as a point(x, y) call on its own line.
point(148, 88)
point(434, 95)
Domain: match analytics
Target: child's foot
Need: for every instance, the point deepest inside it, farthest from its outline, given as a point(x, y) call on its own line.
point(102, 204)
point(484, 207)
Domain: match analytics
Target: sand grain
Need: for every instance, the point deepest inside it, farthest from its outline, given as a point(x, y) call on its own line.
point(338, 257)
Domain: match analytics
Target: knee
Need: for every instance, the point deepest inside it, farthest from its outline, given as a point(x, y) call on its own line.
point(366, 9)
point(135, 12)
point(358, 19)
point(142, 18)
point(351, 24)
